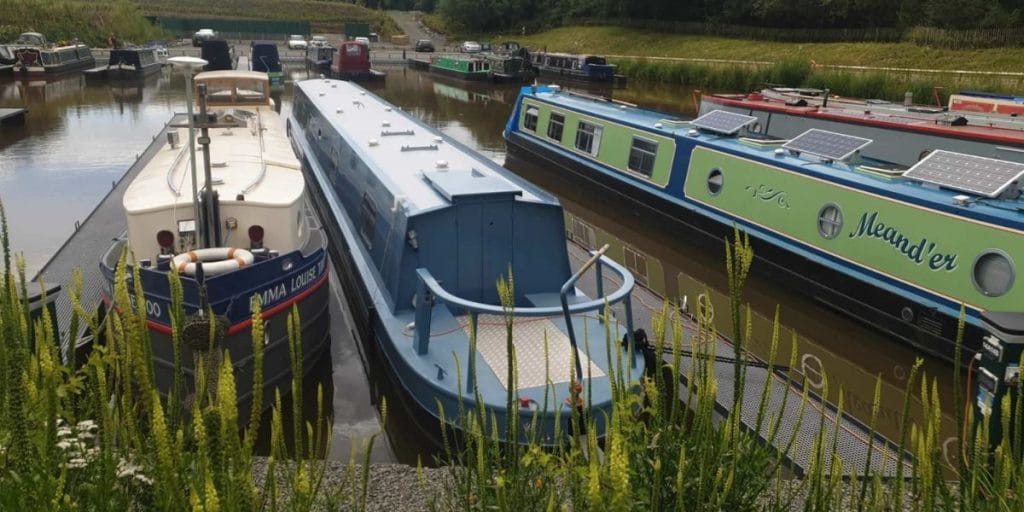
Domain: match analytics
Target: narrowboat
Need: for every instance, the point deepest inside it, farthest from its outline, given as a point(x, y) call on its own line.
point(129, 64)
point(465, 68)
point(589, 68)
point(901, 248)
point(510, 62)
point(319, 58)
point(35, 56)
point(251, 234)
point(352, 62)
point(902, 134)
point(219, 55)
point(425, 229)
point(264, 59)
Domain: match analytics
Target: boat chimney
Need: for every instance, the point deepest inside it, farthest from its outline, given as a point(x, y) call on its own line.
point(908, 99)
point(210, 215)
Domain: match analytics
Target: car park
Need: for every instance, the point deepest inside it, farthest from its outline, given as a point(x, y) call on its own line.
point(424, 45)
point(203, 34)
point(470, 47)
point(296, 42)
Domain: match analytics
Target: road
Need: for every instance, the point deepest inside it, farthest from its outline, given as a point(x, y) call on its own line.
point(408, 21)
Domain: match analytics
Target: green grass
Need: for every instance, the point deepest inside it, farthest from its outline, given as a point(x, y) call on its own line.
point(99, 436)
point(325, 16)
point(86, 20)
point(626, 41)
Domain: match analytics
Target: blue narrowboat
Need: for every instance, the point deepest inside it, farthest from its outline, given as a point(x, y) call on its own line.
point(425, 229)
point(265, 59)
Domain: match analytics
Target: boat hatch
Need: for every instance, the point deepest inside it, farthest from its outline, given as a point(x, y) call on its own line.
point(458, 186)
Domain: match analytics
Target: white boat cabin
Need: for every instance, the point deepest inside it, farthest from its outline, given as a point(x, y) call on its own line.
point(254, 171)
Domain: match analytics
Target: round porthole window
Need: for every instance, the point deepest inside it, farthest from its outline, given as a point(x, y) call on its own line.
point(830, 221)
point(715, 181)
point(993, 273)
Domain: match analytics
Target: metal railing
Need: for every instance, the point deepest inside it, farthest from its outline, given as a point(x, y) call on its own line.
point(429, 291)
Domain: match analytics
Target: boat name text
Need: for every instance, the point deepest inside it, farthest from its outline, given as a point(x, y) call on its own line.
point(920, 252)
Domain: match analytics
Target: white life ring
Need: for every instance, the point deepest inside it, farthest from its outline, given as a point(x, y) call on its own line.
point(216, 260)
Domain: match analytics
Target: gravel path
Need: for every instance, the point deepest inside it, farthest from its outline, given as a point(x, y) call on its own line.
point(391, 488)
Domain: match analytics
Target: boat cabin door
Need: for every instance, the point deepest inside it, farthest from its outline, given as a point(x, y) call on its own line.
point(484, 247)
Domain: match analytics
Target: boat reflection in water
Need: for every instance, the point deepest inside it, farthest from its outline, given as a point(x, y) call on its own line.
point(829, 345)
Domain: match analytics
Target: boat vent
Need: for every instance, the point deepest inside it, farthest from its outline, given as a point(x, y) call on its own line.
point(673, 123)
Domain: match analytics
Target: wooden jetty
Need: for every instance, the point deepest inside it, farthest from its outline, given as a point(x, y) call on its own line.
point(852, 436)
point(12, 116)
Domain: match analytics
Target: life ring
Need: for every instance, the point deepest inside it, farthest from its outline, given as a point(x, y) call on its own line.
point(216, 260)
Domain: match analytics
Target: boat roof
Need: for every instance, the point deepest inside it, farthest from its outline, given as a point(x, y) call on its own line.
point(854, 175)
point(237, 157)
point(925, 124)
point(229, 74)
point(420, 166)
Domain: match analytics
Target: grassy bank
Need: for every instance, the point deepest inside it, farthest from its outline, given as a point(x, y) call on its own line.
point(86, 20)
point(625, 41)
point(325, 16)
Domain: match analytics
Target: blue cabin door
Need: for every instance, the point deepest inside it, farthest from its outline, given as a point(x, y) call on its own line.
point(484, 248)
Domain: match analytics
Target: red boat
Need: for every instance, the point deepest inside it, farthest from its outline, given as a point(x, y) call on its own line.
point(352, 62)
point(902, 133)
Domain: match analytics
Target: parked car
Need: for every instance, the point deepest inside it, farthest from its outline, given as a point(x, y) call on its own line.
point(203, 34)
point(470, 47)
point(361, 39)
point(486, 47)
point(296, 42)
point(424, 45)
point(318, 42)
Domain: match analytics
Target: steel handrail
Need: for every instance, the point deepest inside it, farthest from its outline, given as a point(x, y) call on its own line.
point(429, 290)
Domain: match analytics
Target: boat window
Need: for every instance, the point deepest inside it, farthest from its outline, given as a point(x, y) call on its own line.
point(530, 119)
point(582, 233)
point(48, 58)
point(636, 262)
point(353, 50)
point(641, 156)
point(555, 126)
point(588, 137)
point(830, 221)
point(716, 180)
point(993, 273)
point(368, 223)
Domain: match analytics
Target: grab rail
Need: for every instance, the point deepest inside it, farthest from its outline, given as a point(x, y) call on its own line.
point(170, 172)
point(429, 289)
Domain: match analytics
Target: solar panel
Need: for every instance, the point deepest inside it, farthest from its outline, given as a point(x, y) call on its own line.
point(987, 177)
point(825, 144)
point(720, 121)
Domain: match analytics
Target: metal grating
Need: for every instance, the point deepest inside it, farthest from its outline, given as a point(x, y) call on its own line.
point(825, 144)
point(987, 177)
point(720, 121)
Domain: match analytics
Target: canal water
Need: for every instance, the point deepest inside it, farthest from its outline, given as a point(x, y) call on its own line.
point(79, 137)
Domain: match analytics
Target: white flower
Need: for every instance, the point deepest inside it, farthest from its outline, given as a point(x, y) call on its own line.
point(63, 445)
point(63, 432)
point(76, 463)
point(144, 479)
point(87, 426)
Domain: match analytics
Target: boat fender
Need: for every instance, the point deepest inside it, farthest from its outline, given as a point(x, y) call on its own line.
point(216, 260)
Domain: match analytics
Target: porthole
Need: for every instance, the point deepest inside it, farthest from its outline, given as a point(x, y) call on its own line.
point(830, 221)
point(716, 180)
point(993, 273)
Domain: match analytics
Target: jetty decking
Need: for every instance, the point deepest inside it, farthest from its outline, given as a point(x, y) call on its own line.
point(12, 116)
point(853, 437)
